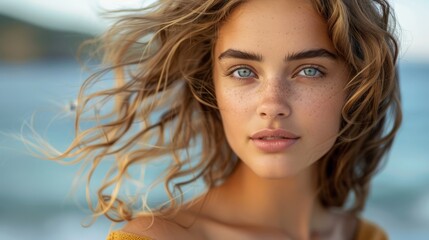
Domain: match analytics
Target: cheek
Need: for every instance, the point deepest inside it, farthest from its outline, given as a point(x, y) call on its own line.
point(323, 113)
point(319, 119)
point(232, 103)
point(235, 111)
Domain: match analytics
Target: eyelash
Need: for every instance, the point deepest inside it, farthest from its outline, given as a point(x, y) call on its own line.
point(231, 73)
point(319, 73)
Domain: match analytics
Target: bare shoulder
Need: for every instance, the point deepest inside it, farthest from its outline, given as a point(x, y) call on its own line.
point(156, 228)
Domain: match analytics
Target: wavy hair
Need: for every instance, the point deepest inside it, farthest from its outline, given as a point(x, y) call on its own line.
point(165, 107)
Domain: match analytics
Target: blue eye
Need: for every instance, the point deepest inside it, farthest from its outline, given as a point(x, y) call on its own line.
point(310, 72)
point(243, 72)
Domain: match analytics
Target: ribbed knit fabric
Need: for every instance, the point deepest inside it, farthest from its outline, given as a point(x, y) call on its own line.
point(119, 235)
point(366, 231)
point(369, 231)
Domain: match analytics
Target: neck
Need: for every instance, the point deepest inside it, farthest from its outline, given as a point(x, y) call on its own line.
point(288, 205)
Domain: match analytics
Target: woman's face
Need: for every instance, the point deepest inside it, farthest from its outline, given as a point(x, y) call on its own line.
point(279, 85)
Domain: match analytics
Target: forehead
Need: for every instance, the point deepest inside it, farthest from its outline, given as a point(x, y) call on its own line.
point(286, 24)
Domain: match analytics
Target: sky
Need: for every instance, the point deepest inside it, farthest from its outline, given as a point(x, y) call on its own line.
point(83, 16)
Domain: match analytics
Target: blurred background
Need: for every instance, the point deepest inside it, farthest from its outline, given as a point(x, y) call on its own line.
point(39, 74)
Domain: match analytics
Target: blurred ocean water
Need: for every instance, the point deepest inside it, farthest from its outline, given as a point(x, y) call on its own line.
point(34, 194)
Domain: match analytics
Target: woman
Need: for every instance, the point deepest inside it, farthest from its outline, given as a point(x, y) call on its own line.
point(287, 100)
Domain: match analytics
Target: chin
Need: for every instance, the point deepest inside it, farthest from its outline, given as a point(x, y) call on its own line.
point(276, 171)
point(276, 175)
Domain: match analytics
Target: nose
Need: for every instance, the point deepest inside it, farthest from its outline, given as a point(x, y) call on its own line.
point(274, 102)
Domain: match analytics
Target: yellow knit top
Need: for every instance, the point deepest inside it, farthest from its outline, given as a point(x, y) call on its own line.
point(366, 231)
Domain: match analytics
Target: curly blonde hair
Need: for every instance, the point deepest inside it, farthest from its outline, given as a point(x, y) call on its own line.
point(164, 102)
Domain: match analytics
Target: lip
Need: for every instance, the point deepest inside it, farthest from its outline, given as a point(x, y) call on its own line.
point(273, 140)
point(273, 133)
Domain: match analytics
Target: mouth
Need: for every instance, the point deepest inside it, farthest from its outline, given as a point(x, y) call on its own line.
point(273, 134)
point(273, 140)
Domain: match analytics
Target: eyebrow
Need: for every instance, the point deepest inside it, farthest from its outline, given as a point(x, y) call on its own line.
point(232, 53)
point(312, 53)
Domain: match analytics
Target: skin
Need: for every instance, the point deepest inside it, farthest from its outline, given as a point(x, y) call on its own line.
point(271, 195)
point(302, 96)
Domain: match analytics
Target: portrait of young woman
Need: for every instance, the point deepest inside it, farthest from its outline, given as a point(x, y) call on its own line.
point(285, 110)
